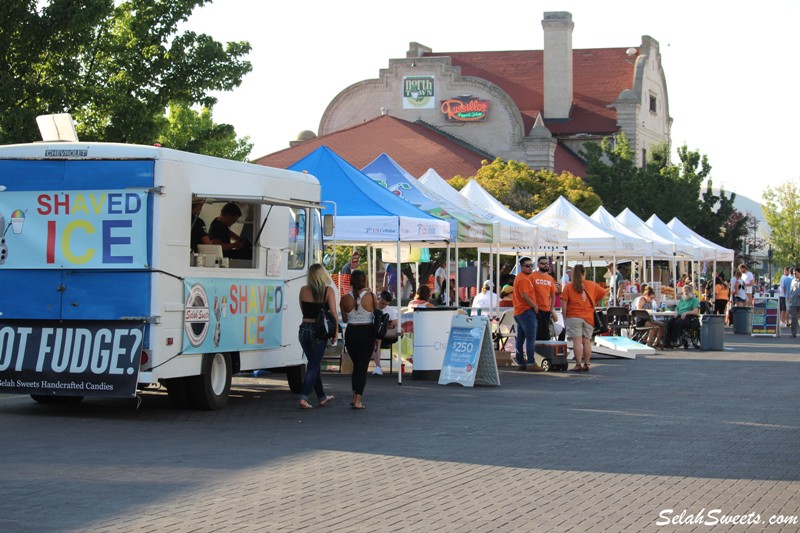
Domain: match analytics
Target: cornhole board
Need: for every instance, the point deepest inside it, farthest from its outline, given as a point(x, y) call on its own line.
point(620, 347)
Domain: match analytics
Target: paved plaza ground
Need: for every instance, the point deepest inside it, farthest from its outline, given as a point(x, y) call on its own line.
point(708, 435)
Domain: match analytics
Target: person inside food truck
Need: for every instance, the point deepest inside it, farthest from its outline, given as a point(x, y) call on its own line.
point(198, 226)
point(220, 232)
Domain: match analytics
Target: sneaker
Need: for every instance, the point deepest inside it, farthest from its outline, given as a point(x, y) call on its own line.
point(378, 371)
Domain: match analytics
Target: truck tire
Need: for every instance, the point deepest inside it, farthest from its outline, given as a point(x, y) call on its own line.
point(57, 400)
point(209, 391)
point(178, 392)
point(296, 375)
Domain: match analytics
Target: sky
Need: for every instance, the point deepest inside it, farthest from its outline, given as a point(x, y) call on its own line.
point(731, 67)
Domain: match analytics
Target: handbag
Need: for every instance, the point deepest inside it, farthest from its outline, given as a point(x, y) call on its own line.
point(600, 323)
point(325, 326)
point(380, 322)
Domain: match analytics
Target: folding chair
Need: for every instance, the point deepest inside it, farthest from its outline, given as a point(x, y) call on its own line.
point(506, 330)
point(618, 319)
point(640, 333)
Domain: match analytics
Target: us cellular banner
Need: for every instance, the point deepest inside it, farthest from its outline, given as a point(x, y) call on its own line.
point(74, 229)
point(228, 315)
point(97, 358)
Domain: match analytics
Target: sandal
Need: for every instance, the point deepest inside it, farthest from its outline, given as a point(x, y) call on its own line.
point(305, 405)
point(585, 367)
point(576, 368)
point(326, 400)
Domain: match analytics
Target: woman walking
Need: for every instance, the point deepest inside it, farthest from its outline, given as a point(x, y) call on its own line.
point(580, 297)
point(314, 296)
point(359, 339)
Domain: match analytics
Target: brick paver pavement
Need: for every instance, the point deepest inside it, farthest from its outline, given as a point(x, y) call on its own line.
point(610, 450)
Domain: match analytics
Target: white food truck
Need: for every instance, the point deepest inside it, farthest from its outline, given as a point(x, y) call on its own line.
point(101, 292)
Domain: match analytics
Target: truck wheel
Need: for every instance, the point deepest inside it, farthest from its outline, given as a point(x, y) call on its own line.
point(209, 391)
point(296, 375)
point(178, 392)
point(57, 400)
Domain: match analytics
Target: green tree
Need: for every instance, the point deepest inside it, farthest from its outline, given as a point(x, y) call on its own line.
point(116, 68)
point(526, 191)
point(661, 187)
point(193, 131)
point(781, 210)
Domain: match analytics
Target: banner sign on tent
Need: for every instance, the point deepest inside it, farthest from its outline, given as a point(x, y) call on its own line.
point(765, 316)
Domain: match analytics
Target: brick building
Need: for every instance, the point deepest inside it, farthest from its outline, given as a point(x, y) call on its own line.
point(536, 106)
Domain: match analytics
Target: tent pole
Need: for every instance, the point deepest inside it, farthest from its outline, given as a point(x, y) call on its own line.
point(458, 282)
point(399, 317)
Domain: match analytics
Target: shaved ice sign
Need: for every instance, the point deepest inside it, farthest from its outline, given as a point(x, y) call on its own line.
point(86, 229)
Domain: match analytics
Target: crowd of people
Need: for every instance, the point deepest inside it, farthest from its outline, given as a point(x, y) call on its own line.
point(532, 295)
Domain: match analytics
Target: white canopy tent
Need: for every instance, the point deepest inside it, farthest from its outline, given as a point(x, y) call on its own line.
point(719, 253)
point(546, 237)
point(587, 237)
point(686, 248)
point(512, 233)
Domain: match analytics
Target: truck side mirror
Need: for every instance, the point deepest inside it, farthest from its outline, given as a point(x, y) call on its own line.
point(327, 225)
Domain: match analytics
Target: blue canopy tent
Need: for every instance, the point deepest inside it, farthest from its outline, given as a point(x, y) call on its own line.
point(465, 227)
point(367, 213)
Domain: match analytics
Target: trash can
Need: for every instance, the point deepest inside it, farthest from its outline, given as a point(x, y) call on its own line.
point(712, 329)
point(431, 331)
point(743, 320)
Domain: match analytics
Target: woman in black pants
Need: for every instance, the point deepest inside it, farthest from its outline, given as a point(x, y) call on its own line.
point(359, 339)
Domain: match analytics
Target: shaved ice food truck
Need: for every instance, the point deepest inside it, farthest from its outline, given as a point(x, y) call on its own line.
point(102, 293)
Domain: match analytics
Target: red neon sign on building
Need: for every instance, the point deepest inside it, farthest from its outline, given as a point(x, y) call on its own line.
point(465, 109)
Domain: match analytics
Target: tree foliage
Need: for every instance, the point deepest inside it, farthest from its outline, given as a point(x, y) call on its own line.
point(194, 131)
point(526, 191)
point(662, 188)
point(115, 68)
point(781, 210)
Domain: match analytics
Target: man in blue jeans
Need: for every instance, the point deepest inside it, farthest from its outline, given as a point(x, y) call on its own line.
point(525, 315)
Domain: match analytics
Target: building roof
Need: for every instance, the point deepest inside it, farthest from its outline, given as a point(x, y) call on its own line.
point(415, 147)
point(599, 75)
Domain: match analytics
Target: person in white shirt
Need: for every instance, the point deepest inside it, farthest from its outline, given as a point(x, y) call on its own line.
point(486, 299)
point(748, 279)
point(440, 283)
point(567, 277)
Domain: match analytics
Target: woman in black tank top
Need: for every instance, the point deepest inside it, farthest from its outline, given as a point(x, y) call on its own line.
point(315, 294)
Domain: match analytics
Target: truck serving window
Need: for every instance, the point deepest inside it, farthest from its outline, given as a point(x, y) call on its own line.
point(297, 238)
point(223, 233)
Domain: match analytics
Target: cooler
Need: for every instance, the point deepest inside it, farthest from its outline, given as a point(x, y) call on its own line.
point(553, 355)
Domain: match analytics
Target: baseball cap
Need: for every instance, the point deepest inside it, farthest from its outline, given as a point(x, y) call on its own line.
point(507, 289)
point(488, 283)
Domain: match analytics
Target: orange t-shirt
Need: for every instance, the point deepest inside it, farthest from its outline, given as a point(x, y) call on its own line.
point(720, 292)
point(543, 287)
point(522, 285)
point(577, 303)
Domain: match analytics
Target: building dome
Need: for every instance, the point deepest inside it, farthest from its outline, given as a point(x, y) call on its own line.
point(305, 135)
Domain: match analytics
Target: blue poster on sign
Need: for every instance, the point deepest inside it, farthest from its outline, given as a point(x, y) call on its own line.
point(83, 229)
point(465, 346)
point(228, 315)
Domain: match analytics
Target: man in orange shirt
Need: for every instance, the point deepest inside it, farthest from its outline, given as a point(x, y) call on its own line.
point(544, 294)
point(525, 315)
